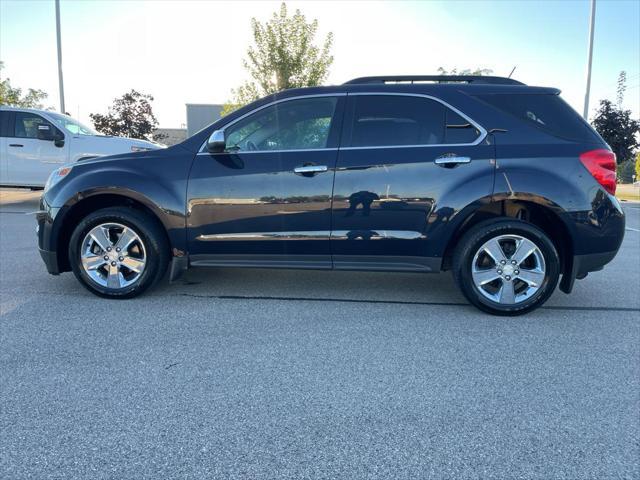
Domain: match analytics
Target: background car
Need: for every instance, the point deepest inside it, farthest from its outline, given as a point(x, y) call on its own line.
point(33, 143)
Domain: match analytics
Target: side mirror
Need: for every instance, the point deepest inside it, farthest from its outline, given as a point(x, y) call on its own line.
point(45, 132)
point(58, 139)
point(216, 143)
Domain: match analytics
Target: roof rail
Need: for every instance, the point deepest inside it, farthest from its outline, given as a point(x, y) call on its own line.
point(478, 79)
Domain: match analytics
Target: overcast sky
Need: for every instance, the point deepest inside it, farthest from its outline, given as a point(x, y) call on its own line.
point(191, 52)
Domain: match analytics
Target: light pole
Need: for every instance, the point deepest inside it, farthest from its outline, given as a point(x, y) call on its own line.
point(585, 114)
point(60, 82)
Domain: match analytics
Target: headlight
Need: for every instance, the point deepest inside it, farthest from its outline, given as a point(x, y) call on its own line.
point(57, 175)
point(137, 148)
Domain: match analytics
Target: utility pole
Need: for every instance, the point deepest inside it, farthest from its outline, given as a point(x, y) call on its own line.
point(585, 114)
point(60, 82)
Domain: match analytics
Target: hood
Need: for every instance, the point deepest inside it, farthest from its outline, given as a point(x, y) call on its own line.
point(125, 144)
point(128, 154)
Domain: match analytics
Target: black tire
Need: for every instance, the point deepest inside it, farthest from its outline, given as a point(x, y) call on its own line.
point(149, 231)
point(475, 238)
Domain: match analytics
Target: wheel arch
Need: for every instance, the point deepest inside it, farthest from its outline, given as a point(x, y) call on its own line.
point(76, 210)
point(537, 211)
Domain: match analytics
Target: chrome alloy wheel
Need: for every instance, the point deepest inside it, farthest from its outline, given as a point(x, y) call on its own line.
point(113, 255)
point(508, 269)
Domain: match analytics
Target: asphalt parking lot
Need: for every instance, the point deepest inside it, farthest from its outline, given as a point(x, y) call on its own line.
point(301, 374)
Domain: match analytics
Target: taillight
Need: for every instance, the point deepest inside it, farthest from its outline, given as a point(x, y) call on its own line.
point(601, 164)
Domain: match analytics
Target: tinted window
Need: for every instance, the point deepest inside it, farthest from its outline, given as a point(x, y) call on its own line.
point(547, 112)
point(290, 125)
point(26, 125)
point(388, 120)
point(4, 123)
point(459, 129)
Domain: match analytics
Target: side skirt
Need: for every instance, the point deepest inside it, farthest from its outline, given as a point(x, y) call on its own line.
point(309, 262)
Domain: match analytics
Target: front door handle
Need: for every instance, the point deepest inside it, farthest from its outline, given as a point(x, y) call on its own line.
point(16, 145)
point(449, 161)
point(310, 169)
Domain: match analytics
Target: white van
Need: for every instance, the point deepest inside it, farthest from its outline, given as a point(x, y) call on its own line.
point(33, 143)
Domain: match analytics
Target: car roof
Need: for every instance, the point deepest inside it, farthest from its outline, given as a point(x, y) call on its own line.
point(419, 88)
point(24, 109)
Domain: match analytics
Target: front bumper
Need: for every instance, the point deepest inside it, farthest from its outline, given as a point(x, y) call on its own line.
point(46, 236)
point(50, 260)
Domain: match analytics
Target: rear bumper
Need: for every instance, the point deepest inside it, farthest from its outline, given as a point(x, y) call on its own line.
point(582, 265)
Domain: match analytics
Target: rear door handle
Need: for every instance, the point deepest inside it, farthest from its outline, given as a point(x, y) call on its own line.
point(451, 160)
point(310, 169)
point(16, 145)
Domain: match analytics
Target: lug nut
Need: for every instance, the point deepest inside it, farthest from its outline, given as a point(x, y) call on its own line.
point(517, 272)
point(502, 262)
point(513, 262)
point(113, 264)
point(499, 272)
point(106, 257)
point(117, 249)
point(508, 277)
point(120, 258)
point(108, 249)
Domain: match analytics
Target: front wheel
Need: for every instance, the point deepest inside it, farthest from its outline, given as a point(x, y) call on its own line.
point(506, 266)
point(118, 252)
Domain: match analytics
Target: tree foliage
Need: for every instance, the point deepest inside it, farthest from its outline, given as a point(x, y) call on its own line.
point(283, 56)
point(12, 96)
point(129, 116)
point(466, 71)
point(621, 88)
point(618, 129)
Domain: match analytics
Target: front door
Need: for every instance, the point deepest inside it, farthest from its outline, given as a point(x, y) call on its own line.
point(30, 160)
point(266, 201)
point(407, 164)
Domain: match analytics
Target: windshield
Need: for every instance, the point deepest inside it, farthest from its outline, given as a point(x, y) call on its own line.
point(72, 125)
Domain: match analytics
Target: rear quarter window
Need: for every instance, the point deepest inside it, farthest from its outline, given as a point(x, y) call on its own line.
point(546, 112)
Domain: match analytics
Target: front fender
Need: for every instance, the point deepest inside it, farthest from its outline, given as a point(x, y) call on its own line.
point(157, 182)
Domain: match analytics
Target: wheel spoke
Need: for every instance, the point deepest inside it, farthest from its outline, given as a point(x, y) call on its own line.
point(494, 250)
point(525, 248)
point(113, 280)
point(507, 294)
point(125, 239)
point(533, 277)
point(99, 235)
point(134, 264)
point(93, 262)
point(483, 277)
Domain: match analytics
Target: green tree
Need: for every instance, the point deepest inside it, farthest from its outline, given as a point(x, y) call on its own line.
point(12, 96)
point(129, 116)
point(638, 167)
point(283, 56)
point(466, 71)
point(621, 88)
point(618, 129)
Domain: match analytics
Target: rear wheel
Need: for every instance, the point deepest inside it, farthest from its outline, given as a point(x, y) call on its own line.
point(118, 252)
point(506, 267)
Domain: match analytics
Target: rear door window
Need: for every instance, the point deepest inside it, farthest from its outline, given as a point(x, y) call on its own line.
point(403, 120)
point(546, 112)
point(459, 129)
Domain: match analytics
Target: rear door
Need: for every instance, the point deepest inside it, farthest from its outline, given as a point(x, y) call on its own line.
point(407, 164)
point(30, 160)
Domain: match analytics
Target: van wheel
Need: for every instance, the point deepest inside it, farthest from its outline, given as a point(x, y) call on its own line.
point(506, 266)
point(118, 252)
